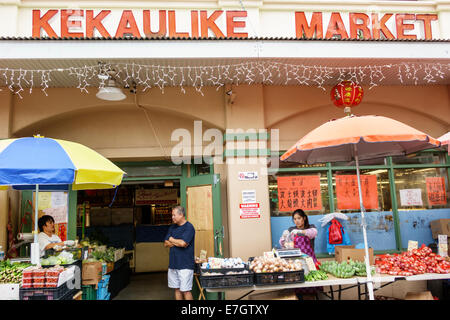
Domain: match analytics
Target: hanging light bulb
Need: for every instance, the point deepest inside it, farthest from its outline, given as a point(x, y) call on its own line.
point(110, 92)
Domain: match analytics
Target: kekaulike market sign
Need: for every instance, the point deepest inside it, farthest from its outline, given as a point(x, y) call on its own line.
point(184, 23)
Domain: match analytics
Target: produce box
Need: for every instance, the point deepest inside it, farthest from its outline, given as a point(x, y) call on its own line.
point(44, 293)
point(91, 272)
point(89, 293)
point(226, 281)
point(344, 253)
point(118, 254)
point(440, 226)
point(109, 267)
point(285, 277)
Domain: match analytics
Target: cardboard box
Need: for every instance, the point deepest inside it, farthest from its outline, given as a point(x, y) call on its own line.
point(344, 253)
point(91, 273)
point(424, 295)
point(440, 226)
point(287, 294)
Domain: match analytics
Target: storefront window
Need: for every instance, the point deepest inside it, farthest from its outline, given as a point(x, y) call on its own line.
point(375, 189)
point(422, 188)
point(434, 157)
point(306, 190)
point(366, 162)
point(203, 169)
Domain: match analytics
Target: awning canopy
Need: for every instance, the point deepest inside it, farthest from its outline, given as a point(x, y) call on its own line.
point(195, 54)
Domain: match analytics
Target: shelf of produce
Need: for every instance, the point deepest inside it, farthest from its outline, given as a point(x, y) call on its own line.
point(390, 278)
point(331, 281)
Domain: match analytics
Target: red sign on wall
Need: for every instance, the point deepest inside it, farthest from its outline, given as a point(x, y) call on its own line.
point(347, 192)
point(436, 191)
point(299, 192)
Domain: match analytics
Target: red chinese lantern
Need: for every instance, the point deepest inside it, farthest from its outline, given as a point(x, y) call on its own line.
point(346, 94)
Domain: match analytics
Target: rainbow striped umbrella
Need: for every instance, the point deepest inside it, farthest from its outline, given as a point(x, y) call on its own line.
point(54, 164)
point(41, 163)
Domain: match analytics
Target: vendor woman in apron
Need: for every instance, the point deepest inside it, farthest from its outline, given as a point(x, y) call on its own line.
point(303, 235)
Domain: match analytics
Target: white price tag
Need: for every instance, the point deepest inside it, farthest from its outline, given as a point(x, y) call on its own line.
point(443, 245)
point(310, 264)
point(412, 245)
point(268, 255)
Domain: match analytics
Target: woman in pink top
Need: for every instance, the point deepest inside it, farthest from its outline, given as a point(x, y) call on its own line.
point(304, 234)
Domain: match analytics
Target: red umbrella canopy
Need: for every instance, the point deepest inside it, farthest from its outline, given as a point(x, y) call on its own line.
point(375, 137)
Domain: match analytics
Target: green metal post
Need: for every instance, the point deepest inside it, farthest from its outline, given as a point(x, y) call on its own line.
point(398, 238)
point(330, 187)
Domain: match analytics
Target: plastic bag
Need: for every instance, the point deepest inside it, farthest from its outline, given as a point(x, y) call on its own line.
point(334, 215)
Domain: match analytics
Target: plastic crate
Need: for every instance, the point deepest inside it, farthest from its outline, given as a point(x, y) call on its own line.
point(89, 293)
point(44, 293)
point(223, 270)
point(286, 277)
point(226, 280)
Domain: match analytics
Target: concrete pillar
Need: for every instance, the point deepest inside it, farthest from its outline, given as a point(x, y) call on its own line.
point(6, 106)
point(244, 150)
point(6, 100)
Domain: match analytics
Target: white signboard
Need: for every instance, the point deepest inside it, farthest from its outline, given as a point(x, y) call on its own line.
point(411, 197)
point(443, 245)
point(248, 196)
point(248, 175)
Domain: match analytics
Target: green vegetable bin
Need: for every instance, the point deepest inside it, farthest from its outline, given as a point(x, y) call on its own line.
point(89, 292)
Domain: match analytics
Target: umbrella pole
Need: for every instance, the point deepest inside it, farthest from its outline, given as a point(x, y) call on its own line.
point(35, 252)
point(363, 222)
point(36, 214)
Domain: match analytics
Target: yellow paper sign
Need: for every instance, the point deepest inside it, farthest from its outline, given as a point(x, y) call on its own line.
point(45, 200)
point(310, 264)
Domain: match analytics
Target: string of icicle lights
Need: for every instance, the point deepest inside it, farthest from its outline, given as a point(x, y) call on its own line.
point(260, 72)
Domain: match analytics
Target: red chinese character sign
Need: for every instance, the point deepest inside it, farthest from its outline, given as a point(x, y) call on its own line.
point(299, 192)
point(347, 192)
point(436, 191)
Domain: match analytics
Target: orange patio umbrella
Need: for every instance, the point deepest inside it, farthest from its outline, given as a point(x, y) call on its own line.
point(445, 140)
point(359, 138)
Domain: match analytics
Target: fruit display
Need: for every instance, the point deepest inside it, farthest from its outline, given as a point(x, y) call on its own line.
point(62, 258)
point(223, 263)
point(212, 273)
point(104, 256)
point(416, 261)
point(316, 275)
point(11, 272)
point(35, 277)
point(262, 265)
point(345, 269)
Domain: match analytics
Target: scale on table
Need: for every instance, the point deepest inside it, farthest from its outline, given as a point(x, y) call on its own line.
point(289, 253)
point(293, 254)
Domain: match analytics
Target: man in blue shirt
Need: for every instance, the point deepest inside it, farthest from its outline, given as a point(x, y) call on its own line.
point(180, 240)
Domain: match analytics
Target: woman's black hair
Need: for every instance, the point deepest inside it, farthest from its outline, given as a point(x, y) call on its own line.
point(302, 213)
point(43, 221)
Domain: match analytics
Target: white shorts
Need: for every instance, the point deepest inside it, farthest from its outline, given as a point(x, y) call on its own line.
point(180, 279)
